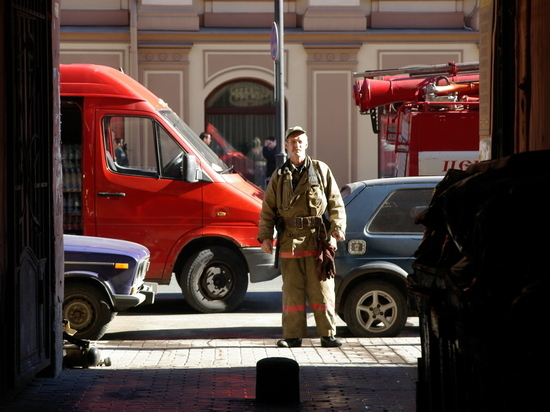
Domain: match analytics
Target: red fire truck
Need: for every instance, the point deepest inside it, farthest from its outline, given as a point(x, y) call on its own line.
point(427, 118)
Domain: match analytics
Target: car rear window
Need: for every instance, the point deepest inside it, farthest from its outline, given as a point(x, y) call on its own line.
point(397, 213)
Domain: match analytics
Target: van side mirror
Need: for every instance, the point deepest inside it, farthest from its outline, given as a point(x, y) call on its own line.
point(189, 168)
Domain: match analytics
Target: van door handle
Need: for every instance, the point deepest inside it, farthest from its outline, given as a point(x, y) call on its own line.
point(107, 194)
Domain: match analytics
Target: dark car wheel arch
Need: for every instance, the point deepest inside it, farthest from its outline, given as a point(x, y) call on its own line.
point(86, 306)
point(385, 271)
point(92, 279)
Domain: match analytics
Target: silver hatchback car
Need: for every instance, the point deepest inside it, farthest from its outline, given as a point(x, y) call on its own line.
point(373, 263)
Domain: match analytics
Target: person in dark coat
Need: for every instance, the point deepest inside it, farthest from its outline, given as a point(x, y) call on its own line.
point(269, 151)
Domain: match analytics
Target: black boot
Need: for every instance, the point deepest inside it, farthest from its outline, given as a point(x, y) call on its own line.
point(290, 343)
point(330, 342)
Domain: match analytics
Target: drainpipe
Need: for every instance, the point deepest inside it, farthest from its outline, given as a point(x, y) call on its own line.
point(133, 40)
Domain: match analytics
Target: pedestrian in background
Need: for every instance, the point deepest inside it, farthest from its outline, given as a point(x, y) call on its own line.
point(299, 193)
point(121, 154)
point(206, 138)
point(269, 151)
point(255, 154)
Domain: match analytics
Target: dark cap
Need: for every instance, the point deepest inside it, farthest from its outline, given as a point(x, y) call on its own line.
point(294, 129)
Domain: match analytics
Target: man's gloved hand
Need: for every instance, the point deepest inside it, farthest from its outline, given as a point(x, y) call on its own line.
point(339, 235)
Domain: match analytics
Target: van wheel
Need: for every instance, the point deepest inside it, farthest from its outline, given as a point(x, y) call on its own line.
point(375, 309)
point(214, 280)
point(87, 310)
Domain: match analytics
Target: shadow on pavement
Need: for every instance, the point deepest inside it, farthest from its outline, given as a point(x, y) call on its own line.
point(222, 389)
point(175, 304)
point(254, 332)
point(244, 332)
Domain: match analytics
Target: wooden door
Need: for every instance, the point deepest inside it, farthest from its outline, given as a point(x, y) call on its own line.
point(29, 285)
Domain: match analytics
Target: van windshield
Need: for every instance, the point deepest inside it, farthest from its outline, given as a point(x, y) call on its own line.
point(194, 140)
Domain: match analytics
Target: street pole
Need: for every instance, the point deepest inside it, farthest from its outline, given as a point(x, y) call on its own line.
point(277, 53)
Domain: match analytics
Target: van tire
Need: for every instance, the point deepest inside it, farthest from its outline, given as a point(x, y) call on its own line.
point(214, 280)
point(366, 300)
point(85, 307)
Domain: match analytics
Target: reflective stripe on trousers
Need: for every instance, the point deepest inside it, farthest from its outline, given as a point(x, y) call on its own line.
point(301, 285)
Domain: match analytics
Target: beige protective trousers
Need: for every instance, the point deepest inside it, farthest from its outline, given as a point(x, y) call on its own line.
point(301, 285)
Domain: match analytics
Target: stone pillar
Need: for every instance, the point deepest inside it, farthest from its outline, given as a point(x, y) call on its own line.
point(333, 115)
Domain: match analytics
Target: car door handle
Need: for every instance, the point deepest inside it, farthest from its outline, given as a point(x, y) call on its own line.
point(108, 194)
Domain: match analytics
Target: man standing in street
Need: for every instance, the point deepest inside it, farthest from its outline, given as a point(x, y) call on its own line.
point(300, 192)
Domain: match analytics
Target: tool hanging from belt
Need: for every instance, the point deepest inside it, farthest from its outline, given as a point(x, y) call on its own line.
point(280, 226)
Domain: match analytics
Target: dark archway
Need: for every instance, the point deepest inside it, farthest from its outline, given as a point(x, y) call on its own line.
point(242, 110)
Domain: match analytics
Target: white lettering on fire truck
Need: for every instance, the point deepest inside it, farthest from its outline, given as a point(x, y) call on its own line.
point(438, 163)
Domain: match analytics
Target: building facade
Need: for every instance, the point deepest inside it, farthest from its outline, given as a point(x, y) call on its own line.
point(211, 61)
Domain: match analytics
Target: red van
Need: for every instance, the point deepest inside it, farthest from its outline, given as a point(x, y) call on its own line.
point(133, 170)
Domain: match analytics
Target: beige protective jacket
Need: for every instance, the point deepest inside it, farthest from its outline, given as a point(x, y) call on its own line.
point(315, 193)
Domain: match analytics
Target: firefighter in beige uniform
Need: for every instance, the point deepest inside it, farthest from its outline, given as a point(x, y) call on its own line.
point(298, 194)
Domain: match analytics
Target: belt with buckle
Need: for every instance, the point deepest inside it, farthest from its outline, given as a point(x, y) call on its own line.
point(303, 222)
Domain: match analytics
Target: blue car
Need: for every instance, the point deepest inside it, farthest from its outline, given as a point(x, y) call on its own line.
point(103, 277)
point(373, 263)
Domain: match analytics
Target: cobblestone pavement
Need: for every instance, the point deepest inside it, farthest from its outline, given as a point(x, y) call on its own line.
point(374, 375)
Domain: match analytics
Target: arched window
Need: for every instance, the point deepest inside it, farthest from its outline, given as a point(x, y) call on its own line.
point(241, 111)
point(240, 115)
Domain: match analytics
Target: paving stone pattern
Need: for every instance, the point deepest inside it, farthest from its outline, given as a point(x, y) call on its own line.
point(373, 375)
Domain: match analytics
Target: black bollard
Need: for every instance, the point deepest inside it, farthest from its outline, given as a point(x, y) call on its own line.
point(277, 381)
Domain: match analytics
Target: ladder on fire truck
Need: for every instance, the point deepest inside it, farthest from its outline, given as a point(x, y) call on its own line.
point(410, 94)
point(450, 68)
